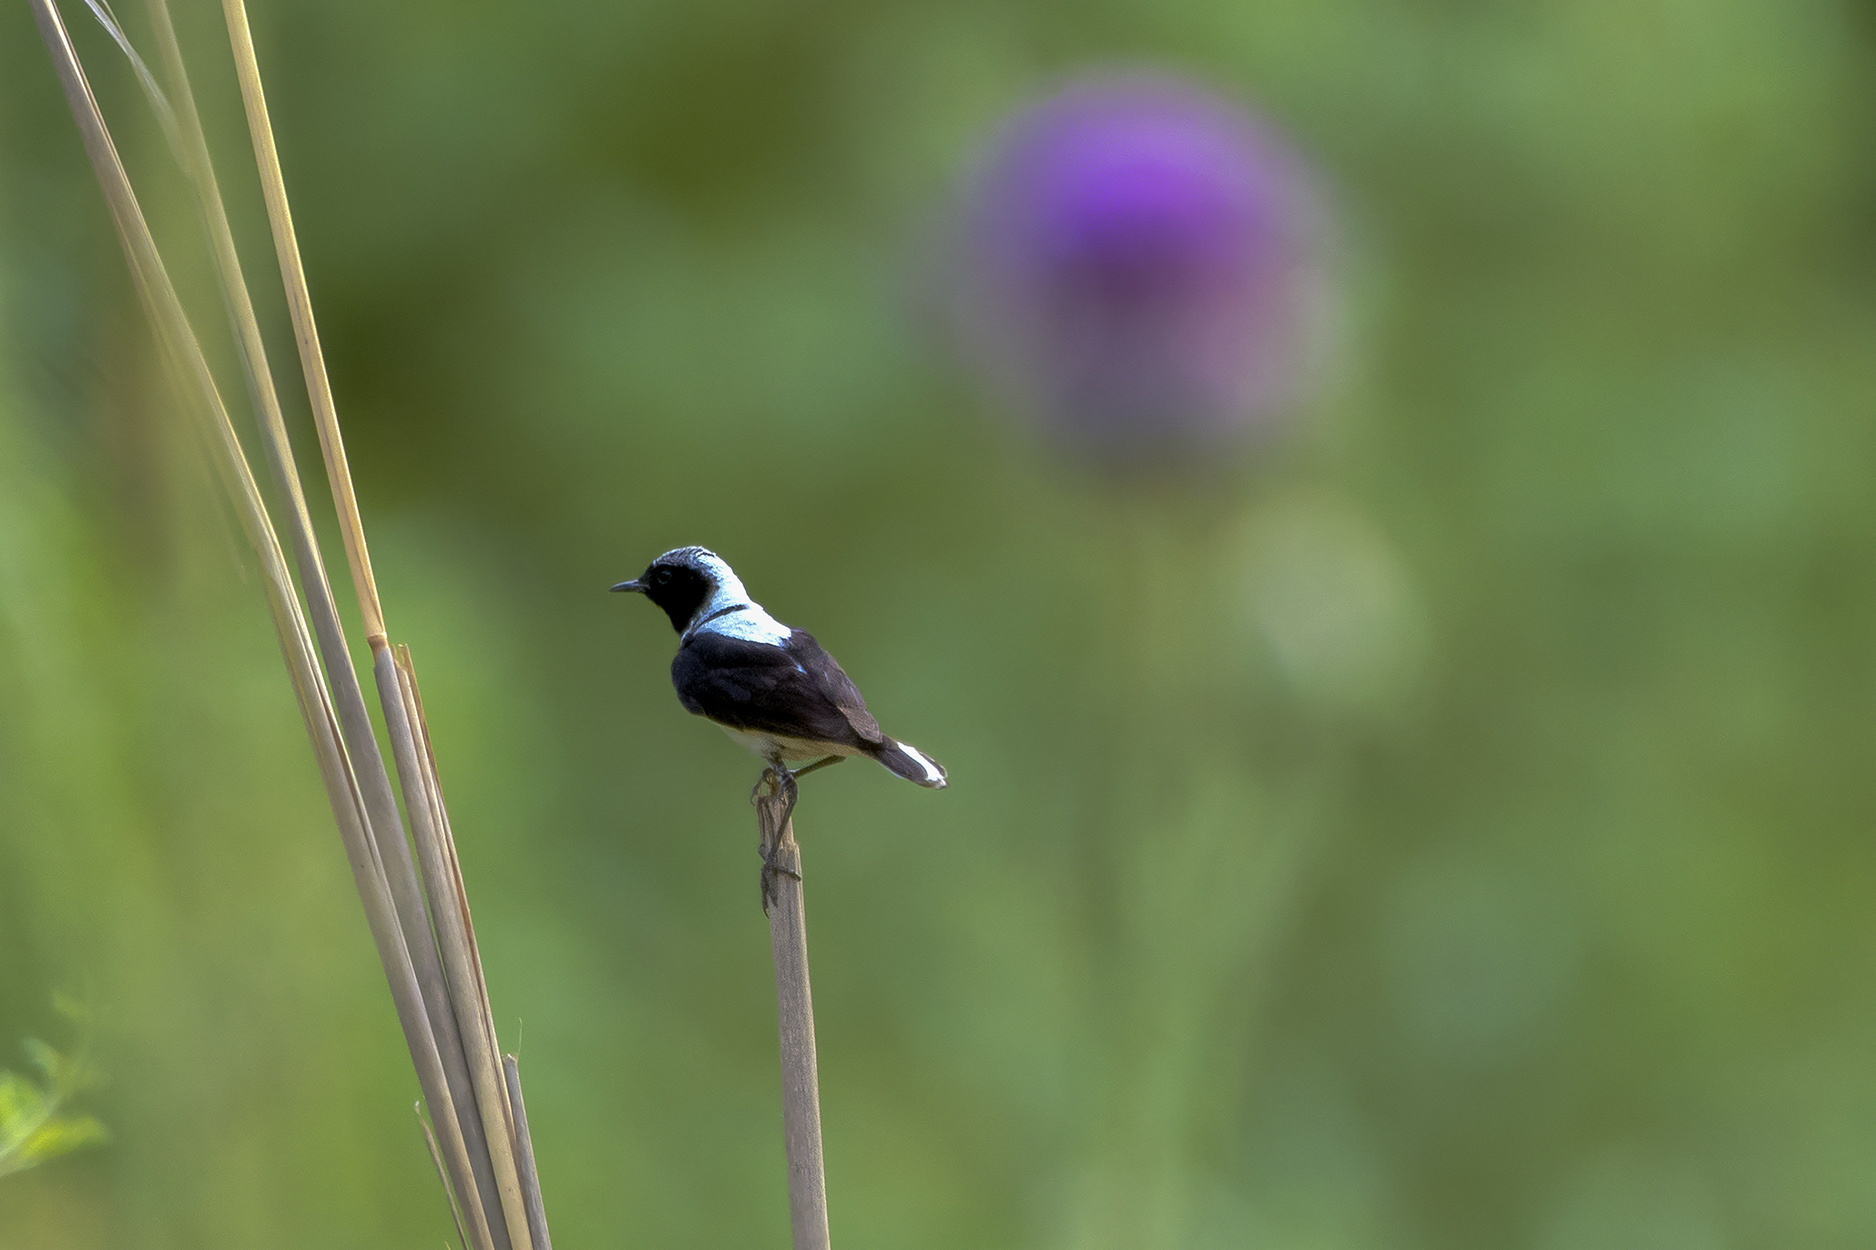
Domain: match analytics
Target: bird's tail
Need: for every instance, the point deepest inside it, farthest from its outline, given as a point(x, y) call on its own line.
point(912, 764)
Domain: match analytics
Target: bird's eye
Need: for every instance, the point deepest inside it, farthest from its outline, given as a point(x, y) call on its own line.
point(662, 577)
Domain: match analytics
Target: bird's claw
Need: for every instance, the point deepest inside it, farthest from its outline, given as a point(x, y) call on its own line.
point(775, 779)
point(771, 869)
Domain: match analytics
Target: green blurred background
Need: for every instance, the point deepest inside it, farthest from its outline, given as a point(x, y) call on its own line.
point(1452, 830)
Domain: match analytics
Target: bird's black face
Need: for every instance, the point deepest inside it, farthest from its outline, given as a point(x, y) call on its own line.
point(680, 589)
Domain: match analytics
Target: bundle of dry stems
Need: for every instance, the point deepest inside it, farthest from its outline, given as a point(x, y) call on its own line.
point(418, 912)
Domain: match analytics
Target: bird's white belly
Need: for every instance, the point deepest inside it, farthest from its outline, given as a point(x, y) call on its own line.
point(776, 746)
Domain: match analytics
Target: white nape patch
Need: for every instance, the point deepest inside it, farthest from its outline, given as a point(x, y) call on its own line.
point(752, 624)
point(932, 771)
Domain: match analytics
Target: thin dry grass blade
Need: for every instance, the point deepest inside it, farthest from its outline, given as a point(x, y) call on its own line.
point(184, 355)
point(476, 1034)
point(354, 721)
point(306, 332)
point(524, 1142)
point(477, 1043)
point(408, 672)
point(524, 1148)
point(451, 1034)
point(449, 912)
point(159, 103)
point(429, 1139)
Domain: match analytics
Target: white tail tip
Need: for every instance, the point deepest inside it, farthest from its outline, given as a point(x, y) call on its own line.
point(914, 765)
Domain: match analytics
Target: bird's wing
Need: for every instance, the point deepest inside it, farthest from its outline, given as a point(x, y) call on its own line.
point(795, 690)
point(835, 684)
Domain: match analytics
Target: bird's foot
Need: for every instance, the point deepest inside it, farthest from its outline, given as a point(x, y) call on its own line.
point(779, 782)
point(773, 868)
point(775, 779)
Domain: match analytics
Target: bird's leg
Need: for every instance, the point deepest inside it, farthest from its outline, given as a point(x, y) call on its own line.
point(823, 762)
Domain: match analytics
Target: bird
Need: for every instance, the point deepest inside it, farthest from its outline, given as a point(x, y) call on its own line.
point(770, 687)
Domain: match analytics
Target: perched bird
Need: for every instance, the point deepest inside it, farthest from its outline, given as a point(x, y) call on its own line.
point(770, 687)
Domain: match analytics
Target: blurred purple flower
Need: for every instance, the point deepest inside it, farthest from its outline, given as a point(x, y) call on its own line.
point(1136, 268)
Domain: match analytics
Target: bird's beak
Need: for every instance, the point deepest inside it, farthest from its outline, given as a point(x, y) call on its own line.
point(635, 586)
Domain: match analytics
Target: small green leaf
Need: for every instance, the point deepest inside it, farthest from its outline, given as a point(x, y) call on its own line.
point(47, 1060)
point(21, 1106)
point(32, 1130)
point(59, 1135)
point(63, 1134)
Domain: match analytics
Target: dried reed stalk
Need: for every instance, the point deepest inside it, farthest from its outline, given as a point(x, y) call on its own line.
point(354, 720)
point(429, 1139)
point(468, 999)
point(300, 304)
point(446, 1019)
point(531, 1184)
point(794, 1002)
